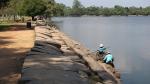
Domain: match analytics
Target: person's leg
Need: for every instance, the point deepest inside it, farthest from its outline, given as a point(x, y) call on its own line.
point(97, 55)
point(111, 63)
point(104, 61)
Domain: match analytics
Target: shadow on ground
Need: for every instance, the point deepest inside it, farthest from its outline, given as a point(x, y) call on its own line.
point(3, 40)
point(10, 65)
point(11, 60)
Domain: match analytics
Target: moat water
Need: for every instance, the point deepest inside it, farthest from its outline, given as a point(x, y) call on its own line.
point(127, 38)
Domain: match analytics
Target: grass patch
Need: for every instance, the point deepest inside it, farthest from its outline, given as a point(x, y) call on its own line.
point(4, 27)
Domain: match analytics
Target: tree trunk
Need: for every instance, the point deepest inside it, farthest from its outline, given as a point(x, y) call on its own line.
point(32, 18)
point(14, 18)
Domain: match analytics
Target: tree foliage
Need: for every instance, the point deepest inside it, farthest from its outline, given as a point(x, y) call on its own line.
point(3, 3)
point(50, 8)
point(14, 7)
point(33, 7)
point(76, 8)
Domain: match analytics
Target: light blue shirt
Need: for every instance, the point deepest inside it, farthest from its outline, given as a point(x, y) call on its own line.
point(101, 49)
point(108, 58)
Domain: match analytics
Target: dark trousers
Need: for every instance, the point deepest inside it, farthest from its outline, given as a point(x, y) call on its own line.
point(110, 63)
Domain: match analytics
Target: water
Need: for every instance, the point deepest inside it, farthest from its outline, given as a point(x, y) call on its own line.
point(128, 39)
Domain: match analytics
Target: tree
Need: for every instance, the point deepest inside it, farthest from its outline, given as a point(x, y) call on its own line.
point(92, 10)
point(14, 8)
point(59, 9)
point(119, 10)
point(107, 12)
point(50, 9)
point(146, 11)
point(77, 8)
point(33, 8)
point(67, 11)
point(3, 3)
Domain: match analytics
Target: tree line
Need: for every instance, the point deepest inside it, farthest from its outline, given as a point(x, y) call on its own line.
point(49, 8)
point(79, 9)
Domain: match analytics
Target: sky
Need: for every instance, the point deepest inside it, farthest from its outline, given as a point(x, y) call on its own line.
point(108, 3)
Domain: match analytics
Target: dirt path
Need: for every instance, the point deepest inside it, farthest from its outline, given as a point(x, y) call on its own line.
point(13, 47)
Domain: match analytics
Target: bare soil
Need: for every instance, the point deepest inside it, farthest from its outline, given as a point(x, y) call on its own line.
point(13, 48)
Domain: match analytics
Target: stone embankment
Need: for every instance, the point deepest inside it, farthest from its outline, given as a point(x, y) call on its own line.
point(57, 59)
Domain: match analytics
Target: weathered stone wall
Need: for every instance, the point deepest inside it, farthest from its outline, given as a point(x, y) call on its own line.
point(57, 59)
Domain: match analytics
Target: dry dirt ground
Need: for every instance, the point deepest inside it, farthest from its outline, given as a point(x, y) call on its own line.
point(13, 47)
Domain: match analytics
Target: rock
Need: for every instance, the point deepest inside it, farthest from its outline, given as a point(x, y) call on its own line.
point(99, 83)
point(46, 43)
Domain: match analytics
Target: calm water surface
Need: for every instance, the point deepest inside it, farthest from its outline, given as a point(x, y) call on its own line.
point(128, 39)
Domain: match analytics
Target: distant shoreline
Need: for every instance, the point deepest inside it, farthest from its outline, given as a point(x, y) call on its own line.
point(105, 16)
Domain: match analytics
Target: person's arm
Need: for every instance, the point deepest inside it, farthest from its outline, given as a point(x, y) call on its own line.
point(105, 57)
point(98, 49)
point(105, 49)
point(112, 58)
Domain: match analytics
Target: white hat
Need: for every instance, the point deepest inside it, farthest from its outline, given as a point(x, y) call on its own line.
point(108, 52)
point(101, 45)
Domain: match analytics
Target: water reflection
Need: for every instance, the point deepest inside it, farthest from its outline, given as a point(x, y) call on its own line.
point(127, 37)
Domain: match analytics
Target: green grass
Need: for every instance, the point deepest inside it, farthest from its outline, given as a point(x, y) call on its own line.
point(4, 27)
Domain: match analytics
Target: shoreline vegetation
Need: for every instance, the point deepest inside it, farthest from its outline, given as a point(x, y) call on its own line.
point(104, 16)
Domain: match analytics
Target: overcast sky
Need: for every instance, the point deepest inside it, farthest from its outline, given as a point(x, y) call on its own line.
point(108, 3)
